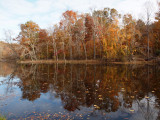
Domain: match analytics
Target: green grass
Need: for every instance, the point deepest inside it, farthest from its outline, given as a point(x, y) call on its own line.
point(2, 117)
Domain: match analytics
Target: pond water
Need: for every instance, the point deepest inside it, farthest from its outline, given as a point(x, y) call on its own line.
point(59, 91)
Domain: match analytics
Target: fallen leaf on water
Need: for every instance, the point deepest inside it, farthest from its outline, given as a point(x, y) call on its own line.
point(122, 89)
point(131, 110)
point(100, 98)
point(78, 91)
point(146, 97)
point(99, 95)
point(87, 91)
point(96, 106)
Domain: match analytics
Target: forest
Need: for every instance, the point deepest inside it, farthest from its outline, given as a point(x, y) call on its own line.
point(100, 35)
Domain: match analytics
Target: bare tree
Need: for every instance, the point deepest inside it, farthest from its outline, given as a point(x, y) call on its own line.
point(148, 10)
point(9, 39)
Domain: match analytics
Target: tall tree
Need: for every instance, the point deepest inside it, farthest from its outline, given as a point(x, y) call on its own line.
point(130, 31)
point(28, 39)
point(156, 32)
point(69, 19)
point(148, 8)
point(89, 29)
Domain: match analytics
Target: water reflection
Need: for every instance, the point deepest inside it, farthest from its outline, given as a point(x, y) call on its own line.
point(6, 69)
point(116, 92)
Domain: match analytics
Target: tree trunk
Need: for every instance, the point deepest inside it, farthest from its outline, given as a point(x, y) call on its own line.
point(64, 55)
point(54, 50)
point(94, 44)
point(70, 45)
point(85, 51)
point(47, 50)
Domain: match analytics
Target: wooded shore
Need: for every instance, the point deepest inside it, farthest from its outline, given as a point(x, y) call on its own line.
point(77, 38)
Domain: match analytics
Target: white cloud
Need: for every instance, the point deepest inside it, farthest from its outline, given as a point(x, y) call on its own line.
point(17, 7)
point(47, 12)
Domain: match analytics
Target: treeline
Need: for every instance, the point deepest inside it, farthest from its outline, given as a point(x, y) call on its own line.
point(7, 51)
point(98, 35)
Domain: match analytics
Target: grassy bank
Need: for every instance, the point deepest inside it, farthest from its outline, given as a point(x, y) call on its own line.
point(2, 117)
point(62, 62)
point(154, 61)
point(137, 62)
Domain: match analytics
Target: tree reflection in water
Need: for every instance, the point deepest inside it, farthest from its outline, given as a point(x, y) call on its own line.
point(127, 88)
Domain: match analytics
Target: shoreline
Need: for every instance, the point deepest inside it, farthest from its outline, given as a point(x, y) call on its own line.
point(62, 62)
point(152, 62)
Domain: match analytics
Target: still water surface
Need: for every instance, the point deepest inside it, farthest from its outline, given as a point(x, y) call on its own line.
point(111, 92)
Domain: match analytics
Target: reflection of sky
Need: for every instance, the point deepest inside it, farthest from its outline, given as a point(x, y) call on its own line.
point(8, 86)
point(145, 108)
point(39, 105)
point(142, 109)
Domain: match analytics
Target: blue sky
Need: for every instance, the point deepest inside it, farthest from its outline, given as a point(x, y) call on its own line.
point(46, 13)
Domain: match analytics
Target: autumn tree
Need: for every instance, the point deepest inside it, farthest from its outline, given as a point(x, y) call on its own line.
point(59, 41)
point(28, 39)
point(89, 29)
point(130, 32)
point(108, 30)
point(156, 32)
point(78, 36)
point(44, 45)
point(140, 37)
point(69, 19)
